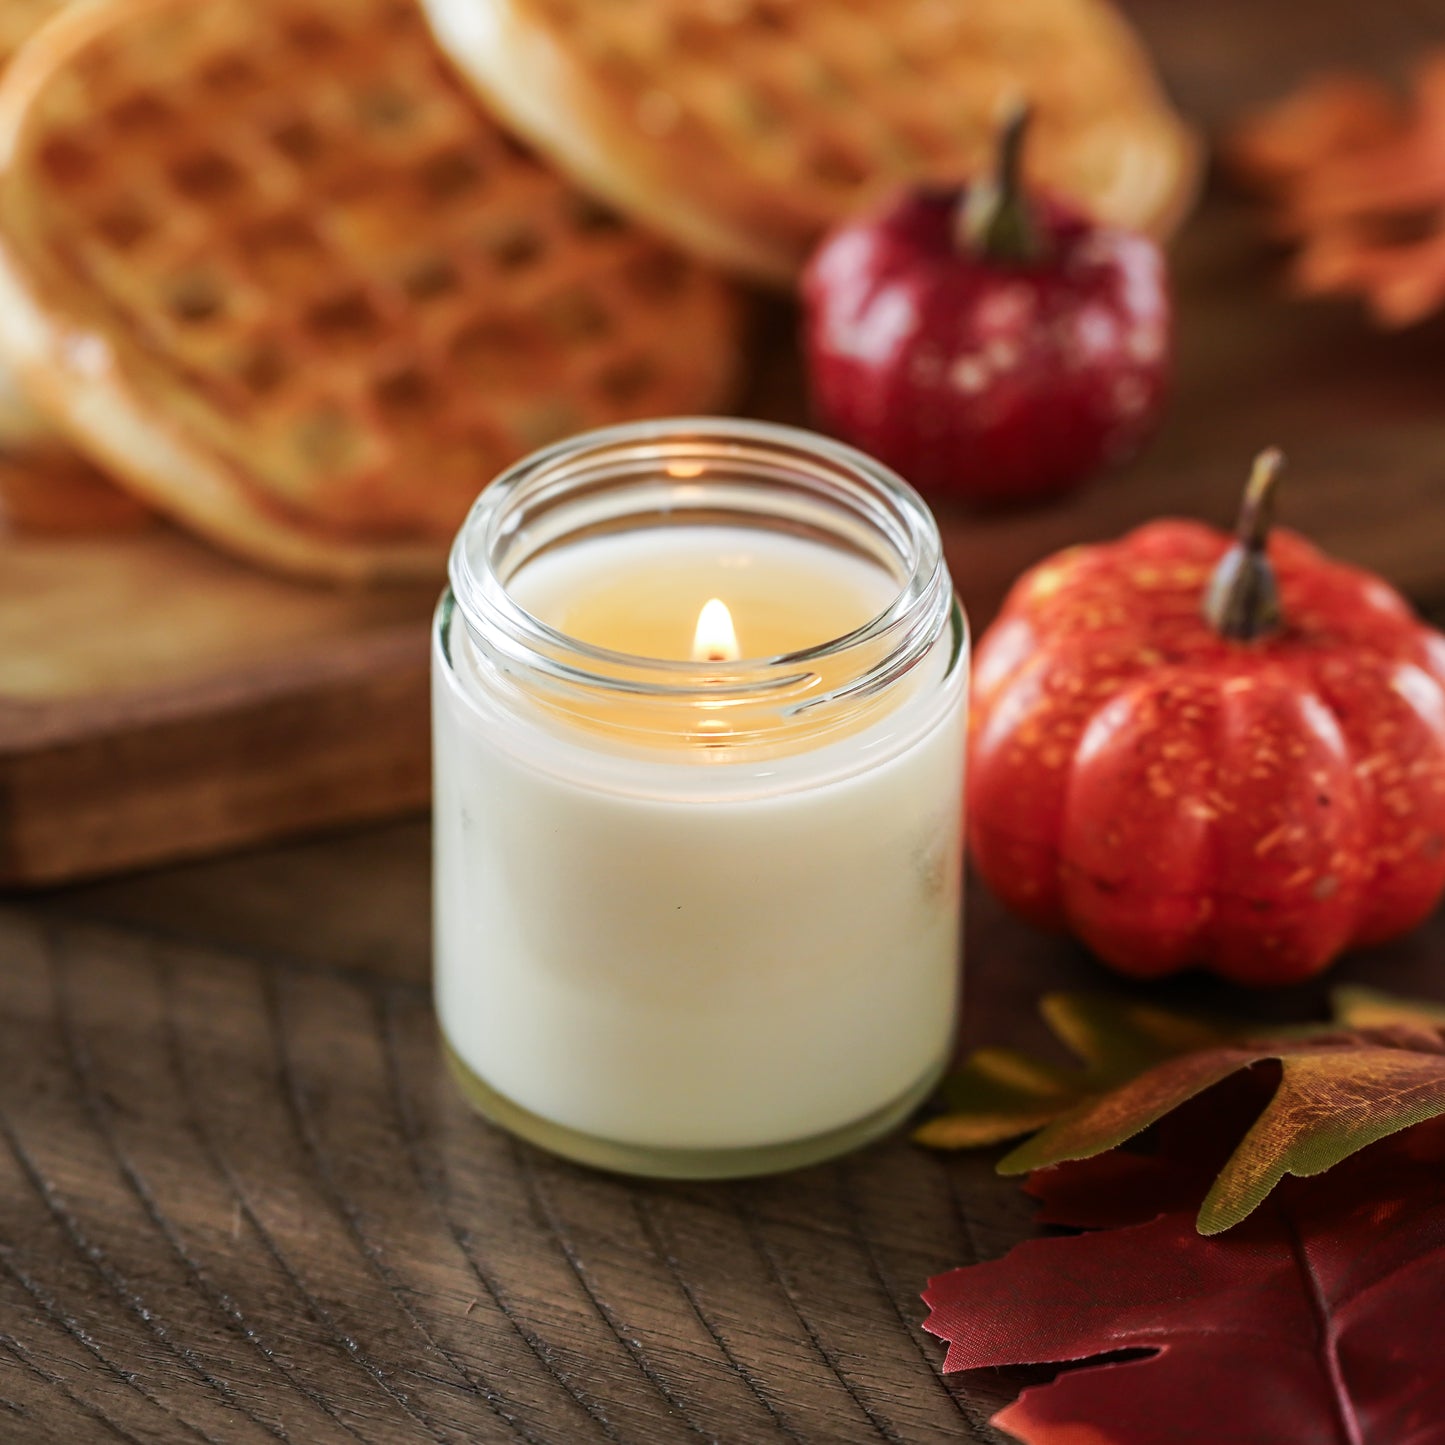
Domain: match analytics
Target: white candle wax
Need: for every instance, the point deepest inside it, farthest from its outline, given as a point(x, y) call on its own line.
point(643, 592)
point(679, 947)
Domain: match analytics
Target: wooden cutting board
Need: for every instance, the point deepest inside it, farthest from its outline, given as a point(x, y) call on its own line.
point(158, 700)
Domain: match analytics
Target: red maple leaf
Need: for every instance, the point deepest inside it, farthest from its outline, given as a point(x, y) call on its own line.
point(1319, 1321)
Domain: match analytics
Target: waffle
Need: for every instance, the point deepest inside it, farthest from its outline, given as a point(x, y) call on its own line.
point(21, 429)
point(745, 128)
point(45, 485)
point(21, 426)
point(19, 19)
point(272, 265)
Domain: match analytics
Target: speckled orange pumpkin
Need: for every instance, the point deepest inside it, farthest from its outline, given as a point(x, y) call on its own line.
point(1192, 753)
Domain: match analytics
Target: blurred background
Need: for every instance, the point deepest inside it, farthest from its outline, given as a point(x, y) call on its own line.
point(282, 286)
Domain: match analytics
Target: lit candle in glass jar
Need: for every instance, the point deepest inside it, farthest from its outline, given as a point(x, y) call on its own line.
point(699, 707)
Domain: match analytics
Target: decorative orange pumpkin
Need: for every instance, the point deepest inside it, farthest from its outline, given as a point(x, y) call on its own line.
point(1196, 753)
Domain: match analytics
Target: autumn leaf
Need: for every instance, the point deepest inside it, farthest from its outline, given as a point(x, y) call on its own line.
point(1367, 1008)
point(1335, 1095)
point(1315, 1322)
point(1338, 1091)
point(998, 1094)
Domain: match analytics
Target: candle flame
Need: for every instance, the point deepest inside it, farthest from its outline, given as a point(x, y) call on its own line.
point(715, 640)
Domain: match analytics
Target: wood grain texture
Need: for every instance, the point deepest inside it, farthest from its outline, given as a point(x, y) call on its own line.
point(254, 1204)
point(240, 1202)
point(158, 700)
point(239, 1199)
point(134, 778)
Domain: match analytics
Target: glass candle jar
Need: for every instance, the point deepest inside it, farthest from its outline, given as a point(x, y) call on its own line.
point(700, 694)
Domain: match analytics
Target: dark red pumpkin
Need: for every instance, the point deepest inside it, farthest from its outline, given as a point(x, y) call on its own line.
point(1192, 752)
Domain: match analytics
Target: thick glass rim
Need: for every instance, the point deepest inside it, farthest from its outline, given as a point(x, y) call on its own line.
point(884, 646)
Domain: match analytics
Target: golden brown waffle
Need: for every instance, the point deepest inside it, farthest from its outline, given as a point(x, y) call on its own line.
point(744, 128)
point(44, 485)
point(271, 264)
point(20, 428)
point(19, 19)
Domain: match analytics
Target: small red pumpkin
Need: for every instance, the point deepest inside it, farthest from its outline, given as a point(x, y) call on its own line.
point(1196, 753)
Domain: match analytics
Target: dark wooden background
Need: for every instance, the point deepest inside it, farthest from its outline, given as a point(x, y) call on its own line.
point(239, 1201)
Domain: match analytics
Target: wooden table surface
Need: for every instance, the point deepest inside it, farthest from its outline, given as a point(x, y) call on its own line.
point(239, 1200)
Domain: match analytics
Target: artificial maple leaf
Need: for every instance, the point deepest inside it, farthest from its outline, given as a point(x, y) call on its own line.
point(1359, 180)
point(1170, 1169)
point(999, 1094)
point(1332, 113)
point(1357, 1007)
point(1338, 1090)
point(1335, 1095)
point(1313, 1323)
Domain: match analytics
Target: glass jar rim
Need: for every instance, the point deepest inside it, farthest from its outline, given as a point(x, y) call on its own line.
point(896, 636)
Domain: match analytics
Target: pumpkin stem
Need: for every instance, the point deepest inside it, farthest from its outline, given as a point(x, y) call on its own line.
point(994, 220)
point(1242, 602)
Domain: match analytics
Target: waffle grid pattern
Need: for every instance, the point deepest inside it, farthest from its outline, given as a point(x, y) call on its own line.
point(810, 107)
point(287, 225)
